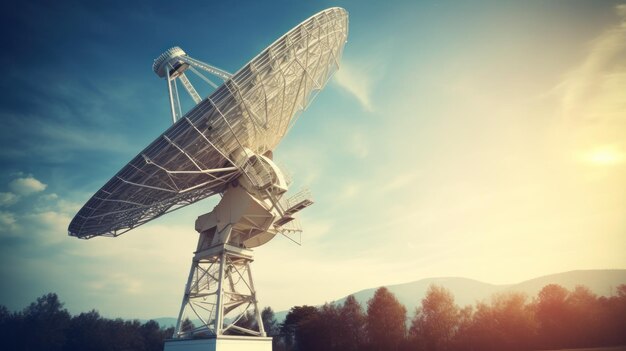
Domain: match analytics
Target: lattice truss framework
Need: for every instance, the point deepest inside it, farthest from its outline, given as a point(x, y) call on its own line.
point(202, 299)
point(253, 109)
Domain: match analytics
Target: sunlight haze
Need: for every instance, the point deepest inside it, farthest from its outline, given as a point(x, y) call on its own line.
point(482, 139)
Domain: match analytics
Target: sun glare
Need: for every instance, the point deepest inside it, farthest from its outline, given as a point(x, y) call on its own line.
point(604, 156)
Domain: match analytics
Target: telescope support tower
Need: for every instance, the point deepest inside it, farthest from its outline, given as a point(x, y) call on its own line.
point(220, 282)
point(220, 293)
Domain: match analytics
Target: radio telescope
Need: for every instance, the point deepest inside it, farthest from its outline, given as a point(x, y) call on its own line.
point(224, 145)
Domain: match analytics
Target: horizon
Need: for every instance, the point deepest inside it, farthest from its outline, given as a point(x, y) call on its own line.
point(442, 282)
point(481, 140)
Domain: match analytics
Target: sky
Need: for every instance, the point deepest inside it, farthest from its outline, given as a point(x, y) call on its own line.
point(477, 139)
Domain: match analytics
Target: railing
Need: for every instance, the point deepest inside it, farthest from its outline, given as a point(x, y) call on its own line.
point(258, 173)
point(295, 199)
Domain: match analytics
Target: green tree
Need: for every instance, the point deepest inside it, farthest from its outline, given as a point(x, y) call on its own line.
point(46, 325)
point(351, 325)
point(87, 332)
point(187, 326)
point(153, 335)
point(552, 315)
point(297, 330)
point(386, 321)
point(463, 338)
point(619, 315)
point(506, 324)
point(584, 322)
point(271, 327)
point(327, 328)
point(269, 321)
point(48, 322)
point(612, 315)
point(518, 324)
point(5, 314)
point(248, 321)
point(11, 328)
point(436, 321)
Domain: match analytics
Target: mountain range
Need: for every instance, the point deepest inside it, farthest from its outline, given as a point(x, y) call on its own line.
point(466, 291)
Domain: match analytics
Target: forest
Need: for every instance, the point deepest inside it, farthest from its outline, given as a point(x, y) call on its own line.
point(556, 318)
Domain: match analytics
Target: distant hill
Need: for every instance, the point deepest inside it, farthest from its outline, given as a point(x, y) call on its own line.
point(166, 321)
point(468, 291)
point(601, 282)
point(465, 291)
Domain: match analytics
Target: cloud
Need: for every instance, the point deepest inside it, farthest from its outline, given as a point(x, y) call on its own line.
point(114, 283)
point(71, 138)
point(8, 199)
point(54, 221)
point(44, 217)
point(356, 81)
point(49, 197)
point(7, 219)
point(27, 185)
point(595, 89)
point(399, 181)
point(621, 10)
point(593, 104)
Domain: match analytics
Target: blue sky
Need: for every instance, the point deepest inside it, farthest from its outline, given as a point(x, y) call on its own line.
point(477, 139)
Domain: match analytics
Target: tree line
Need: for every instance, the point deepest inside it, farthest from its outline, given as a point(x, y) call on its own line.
point(45, 325)
point(556, 318)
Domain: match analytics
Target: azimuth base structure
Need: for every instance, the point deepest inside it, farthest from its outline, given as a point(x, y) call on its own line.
point(224, 343)
point(220, 293)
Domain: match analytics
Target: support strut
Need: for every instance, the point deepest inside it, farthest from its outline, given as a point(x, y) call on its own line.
point(220, 295)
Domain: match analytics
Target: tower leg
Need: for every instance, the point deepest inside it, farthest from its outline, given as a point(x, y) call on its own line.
point(220, 298)
point(257, 311)
point(179, 327)
point(219, 318)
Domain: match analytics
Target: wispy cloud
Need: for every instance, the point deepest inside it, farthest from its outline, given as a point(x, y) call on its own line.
point(399, 181)
point(49, 197)
point(356, 80)
point(8, 199)
point(113, 283)
point(7, 219)
point(64, 138)
point(593, 101)
point(595, 89)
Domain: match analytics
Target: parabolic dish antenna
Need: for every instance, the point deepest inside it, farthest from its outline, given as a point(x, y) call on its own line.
point(253, 109)
point(223, 145)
